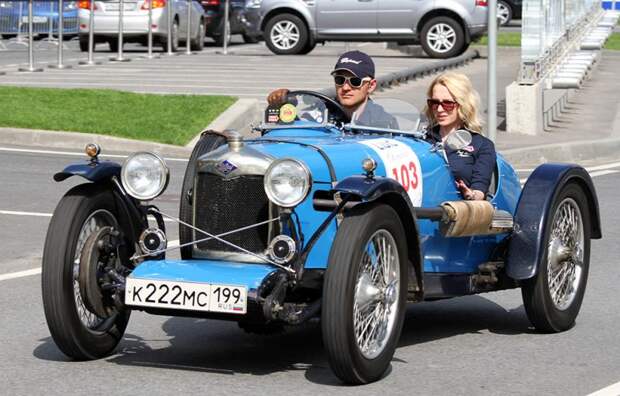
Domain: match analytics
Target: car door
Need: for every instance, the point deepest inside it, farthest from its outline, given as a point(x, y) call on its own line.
point(346, 17)
point(398, 17)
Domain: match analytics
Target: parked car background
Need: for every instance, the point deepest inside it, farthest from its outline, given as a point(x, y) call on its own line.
point(508, 10)
point(14, 17)
point(135, 23)
point(444, 29)
point(214, 12)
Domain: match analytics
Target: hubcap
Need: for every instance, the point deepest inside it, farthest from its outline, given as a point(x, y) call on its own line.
point(93, 223)
point(565, 254)
point(285, 35)
point(441, 37)
point(502, 13)
point(376, 294)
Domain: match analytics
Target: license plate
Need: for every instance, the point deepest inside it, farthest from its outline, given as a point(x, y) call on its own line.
point(116, 6)
point(35, 19)
point(186, 295)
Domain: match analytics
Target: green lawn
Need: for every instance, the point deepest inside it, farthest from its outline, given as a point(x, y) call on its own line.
point(614, 42)
point(171, 119)
point(504, 39)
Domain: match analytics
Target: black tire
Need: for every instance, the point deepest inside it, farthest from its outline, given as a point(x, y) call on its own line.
point(95, 205)
point(198, 43)
point(113, 43)
point(309, 47)
point(297, 26)
point(344, 273)
point(504, 12)
point(208, 142)
point(250, 39)
point(434, 46)
point(219, 39)
point(84, 44)
point(174, 33)
point(545, 314)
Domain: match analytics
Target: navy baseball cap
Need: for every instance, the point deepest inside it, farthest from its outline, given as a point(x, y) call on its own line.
point(356, 62)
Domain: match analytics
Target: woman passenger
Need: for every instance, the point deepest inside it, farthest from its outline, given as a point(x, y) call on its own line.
point(452, 105)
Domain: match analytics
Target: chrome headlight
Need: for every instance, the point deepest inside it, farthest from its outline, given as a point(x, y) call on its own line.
point(145, 175)
point(287, 182)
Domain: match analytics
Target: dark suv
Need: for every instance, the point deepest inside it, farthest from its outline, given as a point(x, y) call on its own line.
point(214, 10)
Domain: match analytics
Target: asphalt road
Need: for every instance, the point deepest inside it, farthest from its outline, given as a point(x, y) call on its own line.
point(463, 346)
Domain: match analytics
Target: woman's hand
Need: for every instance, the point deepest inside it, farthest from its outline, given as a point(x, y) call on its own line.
point(467, 192)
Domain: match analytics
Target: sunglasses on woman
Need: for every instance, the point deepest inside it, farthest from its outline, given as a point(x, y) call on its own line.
point(448, 105)
point(353, 81)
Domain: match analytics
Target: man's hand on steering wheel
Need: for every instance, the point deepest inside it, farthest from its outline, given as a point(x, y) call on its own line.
point(278, 97)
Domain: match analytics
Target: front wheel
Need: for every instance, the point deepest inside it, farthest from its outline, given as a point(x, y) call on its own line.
point(552, 298)
point(82, 328)
point(286, 34)
point(443, 37)
point(364, 294)
point(504, 12)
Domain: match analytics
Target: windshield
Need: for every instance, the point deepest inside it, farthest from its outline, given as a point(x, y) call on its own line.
point(387, 114)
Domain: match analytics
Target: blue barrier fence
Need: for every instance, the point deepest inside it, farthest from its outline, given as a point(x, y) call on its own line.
point(14, 17)
point(607, 5)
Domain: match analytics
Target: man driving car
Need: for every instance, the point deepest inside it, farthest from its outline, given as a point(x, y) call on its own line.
point(354, 79)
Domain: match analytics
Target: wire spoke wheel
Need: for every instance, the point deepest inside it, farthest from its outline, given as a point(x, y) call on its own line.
point(565, 254)
point(376, 294)
point(364, 293)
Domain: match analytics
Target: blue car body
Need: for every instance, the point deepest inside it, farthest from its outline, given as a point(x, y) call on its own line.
point(14, 14)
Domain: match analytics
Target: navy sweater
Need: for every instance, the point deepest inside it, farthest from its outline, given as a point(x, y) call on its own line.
point(474, 164)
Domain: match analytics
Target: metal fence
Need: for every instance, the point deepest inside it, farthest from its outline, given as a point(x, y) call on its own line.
point(14, 17)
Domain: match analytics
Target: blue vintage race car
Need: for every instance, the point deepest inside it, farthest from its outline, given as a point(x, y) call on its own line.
point(319, 217)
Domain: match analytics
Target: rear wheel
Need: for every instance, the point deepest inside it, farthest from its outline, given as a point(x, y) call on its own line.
point(83, 328)
point(286, 34)
point(250, 39)
point(113, 43)
point(443, 37)
point(84, 44)
point(552, 298)
point(504, 12)
point(219, 39)
point(174, 34)
point(208, 142)
point(364, 294)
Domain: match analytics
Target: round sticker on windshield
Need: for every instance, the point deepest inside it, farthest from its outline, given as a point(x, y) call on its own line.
point(288, 112)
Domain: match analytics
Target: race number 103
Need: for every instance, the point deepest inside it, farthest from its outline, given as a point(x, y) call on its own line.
point(407, 176)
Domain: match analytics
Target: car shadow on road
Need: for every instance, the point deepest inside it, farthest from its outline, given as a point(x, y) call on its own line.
point(221, 347)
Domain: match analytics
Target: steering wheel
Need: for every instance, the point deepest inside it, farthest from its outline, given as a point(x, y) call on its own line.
point(336, 111)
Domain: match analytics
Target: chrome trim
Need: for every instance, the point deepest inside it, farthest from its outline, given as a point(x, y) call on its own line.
point(162, 188)
point(291, 245)
point(308, 187)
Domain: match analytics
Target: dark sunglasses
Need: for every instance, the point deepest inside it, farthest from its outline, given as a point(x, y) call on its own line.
point(353, 81)
point(448, 105)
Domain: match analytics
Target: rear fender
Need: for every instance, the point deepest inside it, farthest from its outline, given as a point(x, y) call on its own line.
point(526, 246)
point(95, 171)
point(392, 193)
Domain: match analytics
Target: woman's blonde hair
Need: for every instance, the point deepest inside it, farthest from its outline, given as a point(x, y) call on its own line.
point(463, 93)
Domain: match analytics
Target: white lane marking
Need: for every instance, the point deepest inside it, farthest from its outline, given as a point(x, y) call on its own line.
point(16, 213)
point(41, 214)
point(20, 274)
point(31, 151)
point(592, 174)
point(37, 271)
point(611, 390)
point(588, 168)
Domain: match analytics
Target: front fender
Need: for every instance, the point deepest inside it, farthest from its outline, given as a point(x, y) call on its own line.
point(390, 192)
point(526, 246)
point(94, 171)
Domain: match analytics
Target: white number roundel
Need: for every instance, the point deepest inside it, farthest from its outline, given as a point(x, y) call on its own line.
point(401, 164)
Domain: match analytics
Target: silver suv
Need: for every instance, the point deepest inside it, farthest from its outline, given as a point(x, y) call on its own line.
point(444, 28)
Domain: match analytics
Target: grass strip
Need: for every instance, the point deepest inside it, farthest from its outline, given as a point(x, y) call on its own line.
point(170, 119)
point(504, 39)
point(613, 43)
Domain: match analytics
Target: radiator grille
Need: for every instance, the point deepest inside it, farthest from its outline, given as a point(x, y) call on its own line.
point(223, 205)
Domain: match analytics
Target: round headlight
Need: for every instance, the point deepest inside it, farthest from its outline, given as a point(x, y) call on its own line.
point(145, 175)
point(287, 182)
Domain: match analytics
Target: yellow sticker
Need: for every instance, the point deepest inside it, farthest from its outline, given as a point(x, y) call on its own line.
point(288, 112)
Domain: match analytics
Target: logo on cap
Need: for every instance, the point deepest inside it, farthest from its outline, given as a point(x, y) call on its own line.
point(349, 60)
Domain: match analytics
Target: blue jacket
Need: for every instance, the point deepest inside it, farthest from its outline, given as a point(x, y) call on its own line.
point(474, 164)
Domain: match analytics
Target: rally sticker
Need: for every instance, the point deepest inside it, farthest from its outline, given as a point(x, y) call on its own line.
point(401, 164)
point(288, 112)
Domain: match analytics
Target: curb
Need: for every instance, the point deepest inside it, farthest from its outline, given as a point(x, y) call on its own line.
point(238, 117)
point(562, 152)
point(78, 140)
